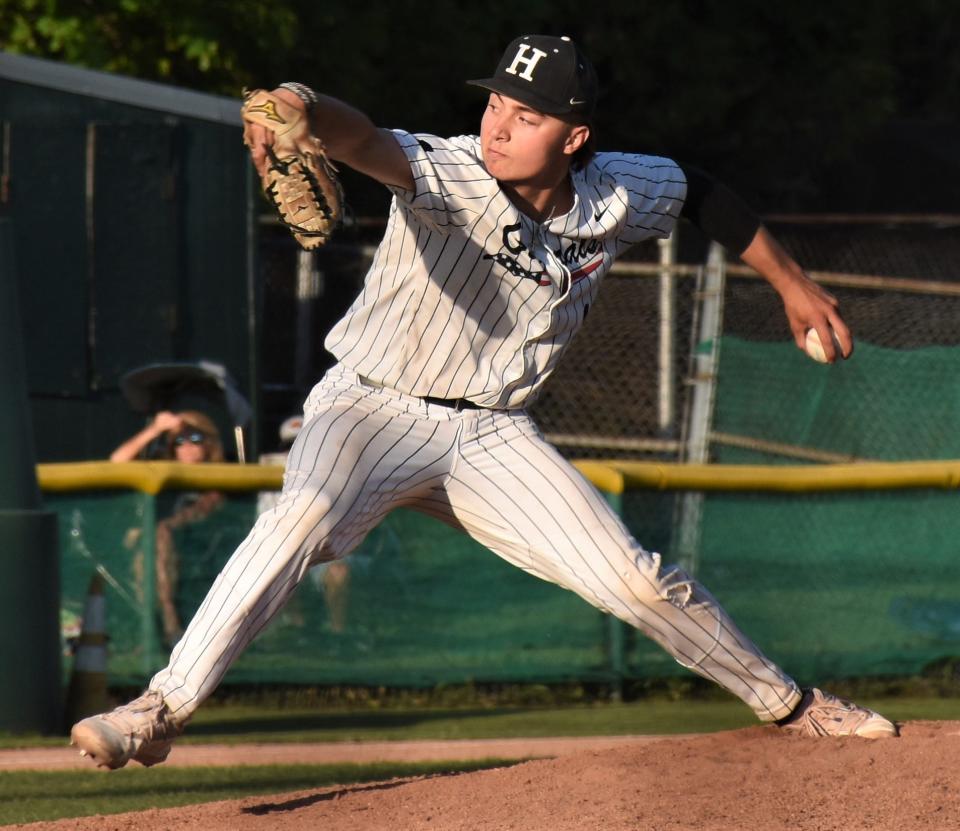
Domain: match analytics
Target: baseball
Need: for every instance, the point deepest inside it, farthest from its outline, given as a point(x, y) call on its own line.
point(814, 347)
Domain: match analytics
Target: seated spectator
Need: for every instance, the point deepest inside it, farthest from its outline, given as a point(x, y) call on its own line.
point(189, 437)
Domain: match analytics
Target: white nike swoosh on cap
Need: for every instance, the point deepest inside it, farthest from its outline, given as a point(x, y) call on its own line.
point(575, 101)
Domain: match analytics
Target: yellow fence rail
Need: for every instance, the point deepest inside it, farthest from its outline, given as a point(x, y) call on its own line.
point(610, 476)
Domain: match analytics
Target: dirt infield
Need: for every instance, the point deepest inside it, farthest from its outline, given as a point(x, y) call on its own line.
point(755, 778)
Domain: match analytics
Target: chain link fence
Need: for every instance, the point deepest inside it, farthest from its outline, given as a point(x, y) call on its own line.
point(627, 387)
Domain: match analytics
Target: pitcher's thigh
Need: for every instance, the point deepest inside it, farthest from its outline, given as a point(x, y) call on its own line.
point(357, 457)
point(525, 502)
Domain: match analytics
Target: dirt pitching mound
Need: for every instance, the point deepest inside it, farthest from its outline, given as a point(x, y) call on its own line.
point(757, 778)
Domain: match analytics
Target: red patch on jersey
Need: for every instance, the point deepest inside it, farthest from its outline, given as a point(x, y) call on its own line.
point(589, 268)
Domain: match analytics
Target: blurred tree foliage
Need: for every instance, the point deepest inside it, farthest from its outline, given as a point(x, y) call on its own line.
point(774, 97)
point(203, 46)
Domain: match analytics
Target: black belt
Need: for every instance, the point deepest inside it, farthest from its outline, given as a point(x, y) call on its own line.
point(453, 403)
point(457, 404)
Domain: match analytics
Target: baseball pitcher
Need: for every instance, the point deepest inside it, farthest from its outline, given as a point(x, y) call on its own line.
point(494, 251)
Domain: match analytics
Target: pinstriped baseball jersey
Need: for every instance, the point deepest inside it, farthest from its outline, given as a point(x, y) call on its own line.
point(467, 297)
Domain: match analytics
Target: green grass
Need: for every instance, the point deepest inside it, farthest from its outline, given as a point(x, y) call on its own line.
point(31, 796)
point(657, 716)
point(242, 723)
point(583, 720)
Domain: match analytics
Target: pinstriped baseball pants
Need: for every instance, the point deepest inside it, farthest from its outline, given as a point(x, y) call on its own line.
point(364, 451)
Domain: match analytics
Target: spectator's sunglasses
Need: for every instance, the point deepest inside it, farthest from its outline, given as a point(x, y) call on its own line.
point(194, 438)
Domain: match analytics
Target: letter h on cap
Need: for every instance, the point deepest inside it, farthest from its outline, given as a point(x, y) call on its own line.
point(529, 64)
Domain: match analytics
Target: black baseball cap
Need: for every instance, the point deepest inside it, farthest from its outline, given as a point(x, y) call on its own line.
point(549, 74)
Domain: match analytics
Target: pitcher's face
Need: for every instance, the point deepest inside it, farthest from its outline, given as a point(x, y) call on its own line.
point(521, 145)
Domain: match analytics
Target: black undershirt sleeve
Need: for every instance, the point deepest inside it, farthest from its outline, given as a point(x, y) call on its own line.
point(718, 211)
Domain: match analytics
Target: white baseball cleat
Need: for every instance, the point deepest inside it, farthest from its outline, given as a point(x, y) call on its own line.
point(822, 714)
point(142, 730)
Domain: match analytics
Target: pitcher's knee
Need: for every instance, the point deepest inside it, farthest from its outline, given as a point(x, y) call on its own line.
point(300, 526)
point(652, 582)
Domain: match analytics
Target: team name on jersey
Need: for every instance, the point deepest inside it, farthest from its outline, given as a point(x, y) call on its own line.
point(509, 259)
point(574, 253)
point(571, 255)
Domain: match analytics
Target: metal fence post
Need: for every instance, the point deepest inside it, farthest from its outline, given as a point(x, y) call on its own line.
point(666, 408)
point(616, 627)
point(703, 377)
point(148, 623)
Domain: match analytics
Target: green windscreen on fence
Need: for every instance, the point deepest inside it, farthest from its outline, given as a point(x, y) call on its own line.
point(840, 584)
point(424, 605)
point(417, 604)
point(829, 585)
point(832, 584)
point(100, 533)
point(883, 404)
